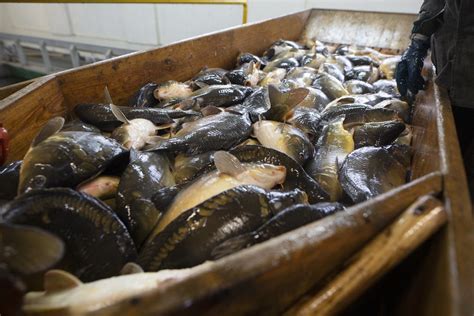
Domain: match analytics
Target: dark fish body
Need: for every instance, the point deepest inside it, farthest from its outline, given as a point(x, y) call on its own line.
point(333, 70)
point(79, 126)
point(9, 178)
point(361, 60)
point(257, 104)
point(97, 243)
point(220, 95)
point(246, 58)
point(144, 97)
point(211, 76)
point(284, 63)
point(331, 87)
point(377, 134)
point(66, 159)
point(101, 116)
point(146, 173)
point(387, 86)
point(279, 47)
point(358, 87)
point(296, 177)
point(368, 74)
point(289, 219)
point(370, 171)
point(186, 168)
point(357, 114)
point(189, 239)
point(215, 132)
point(306, 119)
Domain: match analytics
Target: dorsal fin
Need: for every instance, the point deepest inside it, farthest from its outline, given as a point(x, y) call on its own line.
point(53, 126)
point(201, 85)
point(274, 94)
point(115, 109)
point(296, 96)
point(59, 280)
point(131, 268)
point(250, 68)
point(228, 163)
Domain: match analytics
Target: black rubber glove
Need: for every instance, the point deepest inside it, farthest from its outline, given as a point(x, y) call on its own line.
point(408, 73)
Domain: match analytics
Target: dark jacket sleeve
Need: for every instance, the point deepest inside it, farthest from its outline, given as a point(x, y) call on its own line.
point(430, 17)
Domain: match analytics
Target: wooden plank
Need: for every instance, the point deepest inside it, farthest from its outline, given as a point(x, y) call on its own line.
point(392, 245)
point(426, 157)
point(374, 29)
point(32, 107)
point(460, 232)
point(267, 278)
point(10, 89)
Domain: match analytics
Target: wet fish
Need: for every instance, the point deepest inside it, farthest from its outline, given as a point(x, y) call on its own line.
point(273, 77)
point(301, 76)
point(97, 243)
point(172, 91)
point(216, 95)
point(187, 167)
point(280, 46)
point(215, 132)
point(370, 171)
point(246, 75)
point(101, 115)
point(284, 63)
point(66, 159)
point(230, 173)
point(256, 105)
point(388, 66)
point(27, 250)
point(103, 187)
point(189, 239)
point(285, 138)
point(332, 87)
point(377, 133)
point(9, 178)
point(314, 61)
point(283, 102)
point(357, 114)
point(332, 69)
point(246, 58)
point(402, 108)
point(358, 60)
point(285, 221)
point(332, 148)
point(306, 119)
point(368, 74)
point(210, 76)
point(359, 87)
point(296, 176)
point(66, 295)
point(387, 86)
point(79, 126)
point(144, 97)
point(146, 173)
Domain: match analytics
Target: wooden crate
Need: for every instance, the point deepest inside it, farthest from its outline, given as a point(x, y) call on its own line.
point(270, 277)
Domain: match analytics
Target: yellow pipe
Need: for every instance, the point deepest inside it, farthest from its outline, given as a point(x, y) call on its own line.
point(243, 3)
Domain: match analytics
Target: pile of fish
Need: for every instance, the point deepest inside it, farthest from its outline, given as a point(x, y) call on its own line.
point(198, 170)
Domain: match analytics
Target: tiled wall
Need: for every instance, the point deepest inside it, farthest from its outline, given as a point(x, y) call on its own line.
point(140, 26)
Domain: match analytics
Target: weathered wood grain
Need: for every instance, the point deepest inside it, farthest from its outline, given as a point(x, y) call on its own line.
point(10, 89)
point(392, 245)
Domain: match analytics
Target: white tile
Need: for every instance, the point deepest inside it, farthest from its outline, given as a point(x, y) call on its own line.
point(266, 9)
point(400, 6)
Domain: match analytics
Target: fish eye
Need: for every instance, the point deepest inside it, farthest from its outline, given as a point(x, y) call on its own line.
point(39, 181)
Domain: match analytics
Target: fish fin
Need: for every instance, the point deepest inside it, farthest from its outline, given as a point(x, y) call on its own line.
point(53, 126)
point(210, 110)
point(108, 98)
point(119, 114)
point(59, 280)
point(131, 268)
point(228, 163)
point(232, 245)
point(133, 154)
point(275, 95)
point(34, 249)
point(250, 68)
point(296, 96)
point(187, 104)
point(164, 126)
point(201, 85)
point(155, 140)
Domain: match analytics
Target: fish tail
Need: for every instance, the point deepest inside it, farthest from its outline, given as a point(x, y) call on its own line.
point(233, 245)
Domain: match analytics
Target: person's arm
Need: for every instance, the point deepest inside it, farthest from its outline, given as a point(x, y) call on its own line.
point(408, 73)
